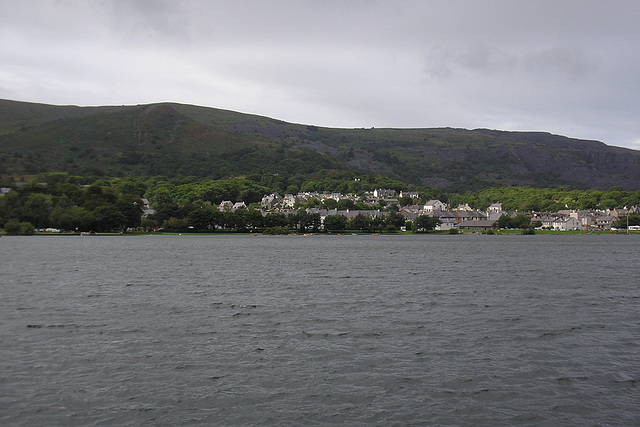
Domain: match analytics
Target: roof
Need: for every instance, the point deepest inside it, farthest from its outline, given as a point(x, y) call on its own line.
point(481, 223)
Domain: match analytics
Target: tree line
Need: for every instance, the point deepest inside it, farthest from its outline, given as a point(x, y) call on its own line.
point(184, 204)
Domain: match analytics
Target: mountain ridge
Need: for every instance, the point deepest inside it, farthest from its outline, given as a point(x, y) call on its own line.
point(180, 139)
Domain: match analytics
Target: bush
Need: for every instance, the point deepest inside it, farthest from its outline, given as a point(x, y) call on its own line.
point(276, 230)
point(176, 225)
point(15, 228)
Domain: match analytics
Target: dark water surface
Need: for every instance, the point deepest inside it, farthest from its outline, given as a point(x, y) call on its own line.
point(320, 330)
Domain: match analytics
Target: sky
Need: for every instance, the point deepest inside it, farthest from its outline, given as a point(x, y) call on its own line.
point(566, 67)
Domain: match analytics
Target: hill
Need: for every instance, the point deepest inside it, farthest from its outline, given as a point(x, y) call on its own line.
point(176, 139)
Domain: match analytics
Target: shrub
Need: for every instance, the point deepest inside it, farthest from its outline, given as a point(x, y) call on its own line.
point(15, 228)
point(276, 230)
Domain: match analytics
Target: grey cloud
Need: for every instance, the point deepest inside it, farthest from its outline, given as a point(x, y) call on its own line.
point(148, 19)
point(569, 62)
point(543, 65)
point(482, 59)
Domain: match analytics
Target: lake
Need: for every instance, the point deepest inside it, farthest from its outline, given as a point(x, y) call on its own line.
point(320, 330)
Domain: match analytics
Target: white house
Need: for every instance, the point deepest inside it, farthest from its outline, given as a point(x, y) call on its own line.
point(238, 205)
point(434, 206)
point(380, 194)
point(566, 224)
point(495, 208)
point(225, 205)
point(465, 208)
point(546, 220)
point(289, 201)
point(410, 194)
point(270, 201)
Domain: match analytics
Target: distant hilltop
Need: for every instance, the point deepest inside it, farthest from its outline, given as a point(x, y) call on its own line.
point(175, 139)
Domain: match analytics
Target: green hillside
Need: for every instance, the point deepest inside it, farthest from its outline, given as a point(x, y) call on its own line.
point(174, 139)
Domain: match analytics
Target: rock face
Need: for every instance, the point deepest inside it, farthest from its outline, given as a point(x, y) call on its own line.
point(175, 139)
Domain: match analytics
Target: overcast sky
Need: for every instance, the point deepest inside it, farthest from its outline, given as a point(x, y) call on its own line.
point(566, 67)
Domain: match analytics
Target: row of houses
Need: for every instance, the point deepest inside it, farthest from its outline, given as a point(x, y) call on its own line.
point(583, 219)
point(289, 201)
point(461, 217)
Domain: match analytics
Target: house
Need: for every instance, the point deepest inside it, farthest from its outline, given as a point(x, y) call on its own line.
point(585, 218)
point(226, 205)
point(469, 215)
point(269, 202)
point(409, 215)
point(434, 206)
point(604, 222)
point(546, 220)
point(238, 205)
point(566, 224)
point(495, 208)
point(381, 194)
point(448, 219)
point(618, 213)
point(482, 224)
point(409, 194)
point(413, 209)
point(289, 201)
point(147, 212)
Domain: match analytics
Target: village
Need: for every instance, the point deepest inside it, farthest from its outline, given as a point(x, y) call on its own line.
point(461, 217)
point(380, 210)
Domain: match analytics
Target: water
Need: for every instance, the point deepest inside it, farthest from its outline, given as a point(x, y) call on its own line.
point(320, 330)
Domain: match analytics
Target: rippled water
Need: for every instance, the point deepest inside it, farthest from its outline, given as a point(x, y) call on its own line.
point(357, 330)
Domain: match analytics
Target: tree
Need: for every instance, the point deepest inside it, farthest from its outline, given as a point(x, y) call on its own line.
point(503, 222)
point(316, 221)
point(253, 219)
point(344, 204)
point(335, 223)
point(424, 223)
point(248, 219)
point(634, 219)
point(170, 210)
point(405, 201)
point(275, 219)
point(205, 218)
point(16, 228)
point(96, 195)
point(130, 207)
point(308, 221)
point(394, 220)
point(329, 203)
point(36, 209)
point(360, 222)
point(109, 218)
point(176, 224)
point(292, 189)
point(521, 221)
